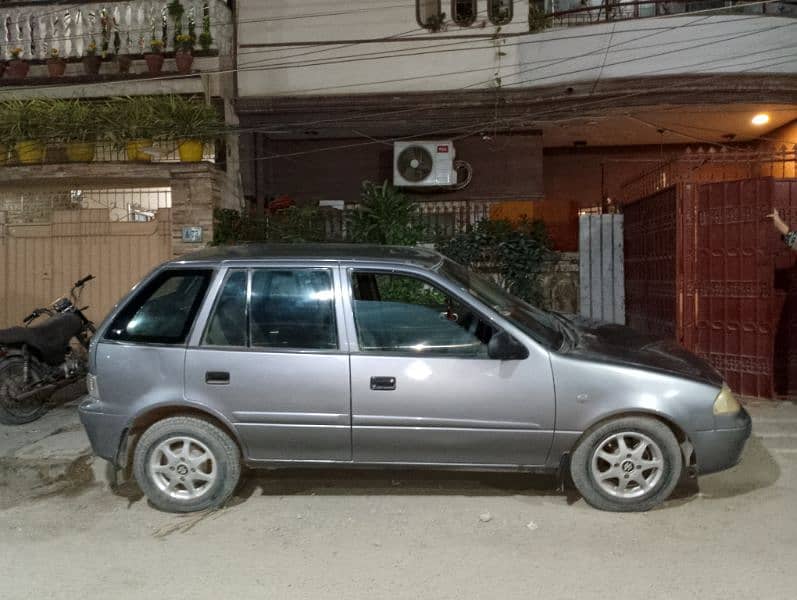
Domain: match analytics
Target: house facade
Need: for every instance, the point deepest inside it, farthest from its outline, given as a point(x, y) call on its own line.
point(90, 196)
point(681, 114)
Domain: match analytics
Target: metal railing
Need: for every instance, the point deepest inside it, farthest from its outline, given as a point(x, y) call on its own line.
point(567, 13)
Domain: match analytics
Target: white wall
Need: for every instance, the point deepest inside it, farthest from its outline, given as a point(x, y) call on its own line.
point(689, 44)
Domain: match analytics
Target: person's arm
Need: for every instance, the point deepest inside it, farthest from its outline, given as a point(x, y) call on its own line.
point(789, 237)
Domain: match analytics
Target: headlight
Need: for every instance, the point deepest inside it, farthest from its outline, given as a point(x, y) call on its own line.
point(91, 386)
point(726, 402)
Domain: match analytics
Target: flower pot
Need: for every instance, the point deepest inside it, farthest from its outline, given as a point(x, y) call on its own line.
point(91, 64)
point(56, 67)
point(80, 151)
point(18, 69)
point(190, 150)
point(184, 60)
point(135, 150)
point(154, 63)
point(30, 152)
point(124, 62)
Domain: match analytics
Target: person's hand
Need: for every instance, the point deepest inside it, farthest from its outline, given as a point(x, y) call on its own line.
point(779, 224)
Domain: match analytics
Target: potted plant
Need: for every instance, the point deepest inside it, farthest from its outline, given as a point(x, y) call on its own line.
point(91, 61)
point(190, 123)
point(22, 128)
point(56, 65)
point(17, 67)
point(154, 57)
point(184, 56)
point(130, 123)
point(75, 124)
point(205, 38)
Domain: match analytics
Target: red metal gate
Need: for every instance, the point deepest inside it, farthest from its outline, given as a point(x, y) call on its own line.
point(734, 289)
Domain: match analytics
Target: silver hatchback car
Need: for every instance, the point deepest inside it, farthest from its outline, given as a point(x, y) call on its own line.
point(337, 355)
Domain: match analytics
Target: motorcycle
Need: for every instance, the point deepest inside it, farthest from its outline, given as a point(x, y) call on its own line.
point(38, 360)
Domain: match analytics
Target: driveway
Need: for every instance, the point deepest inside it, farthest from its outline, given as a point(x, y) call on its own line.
point(419, 535)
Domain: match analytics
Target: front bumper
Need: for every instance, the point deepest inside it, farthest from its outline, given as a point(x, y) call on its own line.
point(105, 430)
point(721, 448)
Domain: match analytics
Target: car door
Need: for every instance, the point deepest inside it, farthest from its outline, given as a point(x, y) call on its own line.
point(424, 389)
point(269, 359)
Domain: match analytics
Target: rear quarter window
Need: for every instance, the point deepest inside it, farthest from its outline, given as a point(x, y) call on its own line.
point(162, 311)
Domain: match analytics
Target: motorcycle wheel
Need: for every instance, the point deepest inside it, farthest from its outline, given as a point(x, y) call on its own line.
point(12, 411)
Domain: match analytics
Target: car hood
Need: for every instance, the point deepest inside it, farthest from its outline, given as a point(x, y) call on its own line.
point(595, 340)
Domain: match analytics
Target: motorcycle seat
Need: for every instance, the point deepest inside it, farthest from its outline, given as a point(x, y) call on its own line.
point(50, 339)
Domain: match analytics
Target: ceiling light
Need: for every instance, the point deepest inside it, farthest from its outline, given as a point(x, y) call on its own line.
point(760, 119)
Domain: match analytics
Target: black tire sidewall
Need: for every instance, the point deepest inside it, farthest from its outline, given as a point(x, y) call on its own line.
point(9, 418)
point(581, 472)
point(217, 441)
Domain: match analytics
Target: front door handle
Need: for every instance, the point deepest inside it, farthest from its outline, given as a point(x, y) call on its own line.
point(217, 377)
point(383, 383)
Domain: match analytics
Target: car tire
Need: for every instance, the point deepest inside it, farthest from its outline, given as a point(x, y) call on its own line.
point(629, 464)
point(186, 464)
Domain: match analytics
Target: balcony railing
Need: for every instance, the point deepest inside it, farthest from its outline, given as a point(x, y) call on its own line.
point(122, 27)
point(566, 13)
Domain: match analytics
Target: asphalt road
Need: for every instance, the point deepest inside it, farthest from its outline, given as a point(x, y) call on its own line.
point(419, 535)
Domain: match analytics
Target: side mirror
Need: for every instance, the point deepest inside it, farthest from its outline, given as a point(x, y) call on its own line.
point(503, 346)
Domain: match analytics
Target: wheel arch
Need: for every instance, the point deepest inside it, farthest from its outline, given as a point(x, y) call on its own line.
point(681, 435)
point(143, 420)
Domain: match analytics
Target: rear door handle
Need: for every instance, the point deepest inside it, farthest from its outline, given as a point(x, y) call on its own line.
point(217, 377)
point(383, 383)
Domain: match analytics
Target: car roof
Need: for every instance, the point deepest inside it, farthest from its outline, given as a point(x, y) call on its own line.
point(422, 257)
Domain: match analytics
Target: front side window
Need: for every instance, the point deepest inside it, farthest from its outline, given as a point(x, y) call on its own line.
point(396, 313)
point(500, 11)
point(463, 12)
point(429, 14)
point(163, 311)
point(292, 308)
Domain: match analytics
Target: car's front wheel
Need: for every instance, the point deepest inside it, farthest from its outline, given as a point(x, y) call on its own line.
point(185, 464)
point(627, 464)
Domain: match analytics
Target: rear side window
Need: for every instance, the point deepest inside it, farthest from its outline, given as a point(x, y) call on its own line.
point(163, 311)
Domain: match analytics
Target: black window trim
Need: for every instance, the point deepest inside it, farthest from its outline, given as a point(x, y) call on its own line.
point(430, 281)
point(418, 13)
point(464, 23)
point(195, 310)
point(491, 8)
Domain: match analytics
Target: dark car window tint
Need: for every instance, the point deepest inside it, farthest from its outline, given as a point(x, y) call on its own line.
point(293, 308)
point(400, 313)
point(163, 310)
point(228, 321)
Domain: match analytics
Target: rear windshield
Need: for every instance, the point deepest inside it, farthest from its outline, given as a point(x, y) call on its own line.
point(162, 311)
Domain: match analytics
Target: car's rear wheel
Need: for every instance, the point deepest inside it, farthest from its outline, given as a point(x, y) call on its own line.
point(185, 464)
point(627, 464)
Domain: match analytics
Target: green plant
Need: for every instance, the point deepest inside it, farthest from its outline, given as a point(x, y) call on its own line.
point(205, 38)
point(436, 22)
point(128, 118)
point(23, 120)
point(295, 224)
point(91, 49)
point(156, 46)
point(15, 53)
point(185, 117)
point(386, 216)
point(539, 20)
point(184, 42)
point(513, 252)
point(74, 120)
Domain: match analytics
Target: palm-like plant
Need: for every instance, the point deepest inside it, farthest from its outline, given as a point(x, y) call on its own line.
point(186, 118)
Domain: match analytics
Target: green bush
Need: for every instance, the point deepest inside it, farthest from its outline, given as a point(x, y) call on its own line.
point(511, 251)
point(386, 216)
point(291, 225)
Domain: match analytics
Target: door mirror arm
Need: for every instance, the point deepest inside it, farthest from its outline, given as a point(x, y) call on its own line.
point(503, 346)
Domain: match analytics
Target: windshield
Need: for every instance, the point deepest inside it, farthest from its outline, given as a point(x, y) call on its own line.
point(540, 325)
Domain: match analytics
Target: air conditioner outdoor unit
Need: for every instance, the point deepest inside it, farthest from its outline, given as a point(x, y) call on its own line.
point(424, 164)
